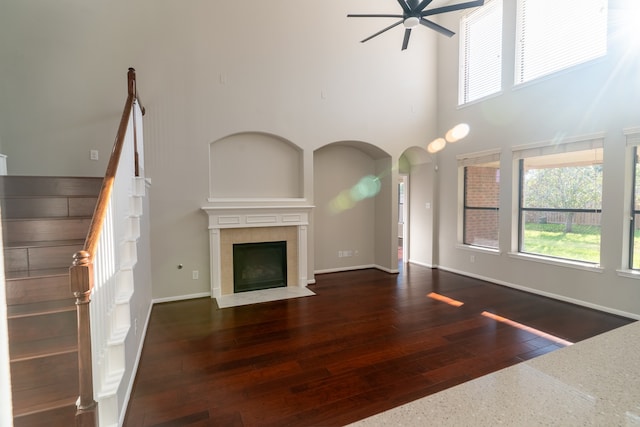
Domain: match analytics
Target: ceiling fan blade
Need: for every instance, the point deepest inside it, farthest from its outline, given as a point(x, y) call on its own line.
point(452, 7)
point(424, 4)
point(377, 15)
point(405, 6)
point(405, 42)
point(439, 28)
point(381, 31)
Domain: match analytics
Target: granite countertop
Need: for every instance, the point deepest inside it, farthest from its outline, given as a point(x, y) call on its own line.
point(595, 382)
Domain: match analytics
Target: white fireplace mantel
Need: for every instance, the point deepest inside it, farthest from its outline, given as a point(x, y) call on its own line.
point(256, 216)
point(223, 217)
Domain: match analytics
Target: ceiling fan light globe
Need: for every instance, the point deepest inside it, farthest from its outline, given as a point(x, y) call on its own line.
point(411, 22)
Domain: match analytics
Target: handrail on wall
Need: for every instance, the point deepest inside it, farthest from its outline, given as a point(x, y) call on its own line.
point(81, 271)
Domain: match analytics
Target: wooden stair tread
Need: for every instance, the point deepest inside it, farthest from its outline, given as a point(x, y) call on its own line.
point(45, 221)
point(19, 411)
point(48, 196)
point(21, 351)
point(13, 185)
point(43, 243)
point(40, 308)
point(45, 218)
point(30, 274)
point(59, 416)
point(28, 230)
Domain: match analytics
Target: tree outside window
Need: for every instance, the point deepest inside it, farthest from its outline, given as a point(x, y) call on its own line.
point(561, 205)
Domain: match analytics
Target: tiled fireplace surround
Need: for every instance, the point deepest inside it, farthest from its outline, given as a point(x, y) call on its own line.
point(253, 224)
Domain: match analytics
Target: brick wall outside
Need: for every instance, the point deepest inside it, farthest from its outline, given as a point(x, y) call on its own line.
point(482, 186)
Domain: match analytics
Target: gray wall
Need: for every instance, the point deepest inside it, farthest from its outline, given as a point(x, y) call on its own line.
point(345, 224)
point(598, 97)
point(208, 70)
point(204, 77)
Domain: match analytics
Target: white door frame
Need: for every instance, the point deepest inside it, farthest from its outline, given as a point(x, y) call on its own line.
point(404, 178)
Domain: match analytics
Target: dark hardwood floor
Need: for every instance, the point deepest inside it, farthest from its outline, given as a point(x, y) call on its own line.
point(367, 342)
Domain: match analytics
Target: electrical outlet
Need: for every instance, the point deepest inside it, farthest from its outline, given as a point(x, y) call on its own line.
point(472, 258)
point(93, 154)
point(195, 274)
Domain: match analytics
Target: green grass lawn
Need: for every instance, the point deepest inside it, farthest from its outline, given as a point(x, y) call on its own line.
point(582, 244)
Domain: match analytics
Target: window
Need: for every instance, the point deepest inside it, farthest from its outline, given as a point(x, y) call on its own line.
point(561, 200)
point(553, 35)
point(480, 52)
point(481, 200)
point(633, 140)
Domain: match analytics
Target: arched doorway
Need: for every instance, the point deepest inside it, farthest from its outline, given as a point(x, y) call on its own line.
point(416, 181)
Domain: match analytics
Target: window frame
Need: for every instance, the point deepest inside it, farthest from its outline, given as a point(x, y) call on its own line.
point(633, 143)
point(634, 211)
point(520, 153)
point(590, 51)
point(465, 161)
point(464, 72)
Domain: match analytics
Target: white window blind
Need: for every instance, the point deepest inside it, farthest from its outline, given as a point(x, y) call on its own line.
point(474, 159)
point(632, 136)
point(553, 147)
point(553, 35)
point(480, 52)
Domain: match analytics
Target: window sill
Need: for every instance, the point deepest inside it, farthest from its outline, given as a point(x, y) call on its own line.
point(481, 249)
point(558, 73)
point(481, 100)
point(631, 274)
point(558, 262)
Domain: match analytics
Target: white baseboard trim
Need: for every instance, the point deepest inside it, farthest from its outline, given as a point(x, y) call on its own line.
point(387, 270)
point(421, 264)
point(339, 269)
point(180, 297)
point(356, 267)
point(544, 293)
point(134, 371)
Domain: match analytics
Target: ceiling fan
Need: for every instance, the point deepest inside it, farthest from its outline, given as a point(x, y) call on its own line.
point(413, 13)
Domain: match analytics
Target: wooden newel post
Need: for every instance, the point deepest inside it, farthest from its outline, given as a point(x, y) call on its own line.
point(131, 81)
point(81, 282)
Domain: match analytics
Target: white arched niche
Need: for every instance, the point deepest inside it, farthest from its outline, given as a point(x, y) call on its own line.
point(254, 165)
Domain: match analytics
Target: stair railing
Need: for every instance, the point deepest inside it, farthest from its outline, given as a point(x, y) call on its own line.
point(95, 269)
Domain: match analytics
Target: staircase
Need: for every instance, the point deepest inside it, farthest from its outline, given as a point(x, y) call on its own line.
point(45, 221)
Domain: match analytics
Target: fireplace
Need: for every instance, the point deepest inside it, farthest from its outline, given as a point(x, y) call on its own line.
point(232, 225)
point(260, 265)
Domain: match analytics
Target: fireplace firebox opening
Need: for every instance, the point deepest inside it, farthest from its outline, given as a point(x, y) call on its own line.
point(259, 266)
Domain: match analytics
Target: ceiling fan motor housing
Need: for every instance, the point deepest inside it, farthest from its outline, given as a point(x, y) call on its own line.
point(414, 13)
point(411, 22)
